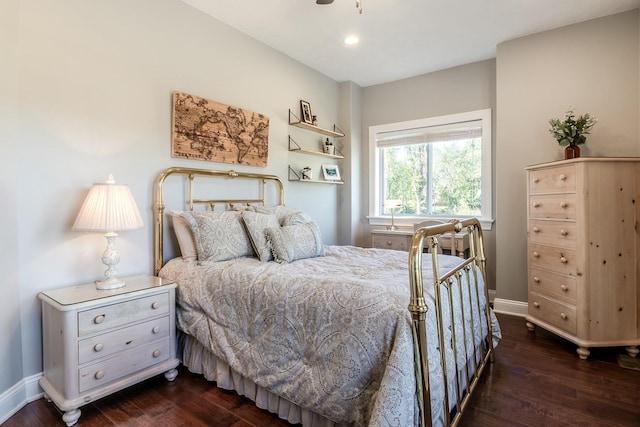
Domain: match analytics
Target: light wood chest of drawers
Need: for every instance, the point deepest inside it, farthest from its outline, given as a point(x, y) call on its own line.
point(96, 342)
point(583, 248)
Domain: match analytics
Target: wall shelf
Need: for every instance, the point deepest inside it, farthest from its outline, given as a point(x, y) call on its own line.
point(294, 146)
point(295, 121)
point(294, 177)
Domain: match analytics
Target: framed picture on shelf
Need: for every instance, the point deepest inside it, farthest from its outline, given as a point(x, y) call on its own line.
point(305, 109)
point(331, 172)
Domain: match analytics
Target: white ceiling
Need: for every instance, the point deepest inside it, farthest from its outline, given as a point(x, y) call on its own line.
point(398, 38)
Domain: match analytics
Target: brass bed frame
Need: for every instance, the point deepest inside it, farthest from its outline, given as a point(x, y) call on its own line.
point(470, 268)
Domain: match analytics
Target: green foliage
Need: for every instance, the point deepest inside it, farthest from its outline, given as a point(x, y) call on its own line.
point(571, 129)
point(454, 182)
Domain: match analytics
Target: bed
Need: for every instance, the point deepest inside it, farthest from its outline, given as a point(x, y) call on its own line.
point(321, 335)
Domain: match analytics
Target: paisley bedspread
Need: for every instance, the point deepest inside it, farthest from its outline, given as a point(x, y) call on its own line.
point(331, 334)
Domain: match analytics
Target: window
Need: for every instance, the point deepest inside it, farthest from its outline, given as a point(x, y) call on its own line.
point(438, 167)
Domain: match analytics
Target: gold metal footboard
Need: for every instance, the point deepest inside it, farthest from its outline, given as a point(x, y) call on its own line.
point(464, 274)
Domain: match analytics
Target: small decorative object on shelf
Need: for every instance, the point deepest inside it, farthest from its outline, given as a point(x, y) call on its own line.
point(329, 148)
point(314, 120)
point(306, 173)
point(331, 172)
point(305, 109)
point(571, 131)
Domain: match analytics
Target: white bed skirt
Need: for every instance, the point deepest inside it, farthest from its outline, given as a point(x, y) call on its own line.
point(200, 360)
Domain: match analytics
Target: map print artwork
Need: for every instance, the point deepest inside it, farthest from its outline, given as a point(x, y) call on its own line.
point(208, 130)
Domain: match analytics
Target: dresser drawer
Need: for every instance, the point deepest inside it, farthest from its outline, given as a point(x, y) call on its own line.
point(560, 179)
point(121, 314)
point(554, 286)
point(554, 259)
point(554, 312)
point(122, 365)
point(554, 233)
point(388, 241)
point(122, 340)
point(553, 206)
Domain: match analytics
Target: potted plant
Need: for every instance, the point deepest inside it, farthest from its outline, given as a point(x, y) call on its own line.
point(571, 131)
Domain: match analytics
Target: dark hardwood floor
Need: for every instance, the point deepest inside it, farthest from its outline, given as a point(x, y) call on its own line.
point(536, 380)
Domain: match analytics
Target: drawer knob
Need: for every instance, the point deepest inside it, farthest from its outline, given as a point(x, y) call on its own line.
point(155, 305)
point(564, 205)
point(99, 375)
point(536, 305)
point(564, 288)
point(563, 177)
point(536, 230)
point(98, 347)
point(536, 180)
point(536, 254)
point(563, 260)
point(155, 329)
point(564, 232)
point(156, 353)
point(98, 319)
point(563, 316)
point(536, 279)
point(536, 205)
point(389, 243)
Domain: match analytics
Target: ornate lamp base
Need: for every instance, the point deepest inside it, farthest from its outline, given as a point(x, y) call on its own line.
point(110, 258)
point(110, 284)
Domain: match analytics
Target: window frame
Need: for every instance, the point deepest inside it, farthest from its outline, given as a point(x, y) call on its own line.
point(375, 217)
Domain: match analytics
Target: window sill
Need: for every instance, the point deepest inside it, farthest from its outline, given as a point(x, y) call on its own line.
point(408, 222)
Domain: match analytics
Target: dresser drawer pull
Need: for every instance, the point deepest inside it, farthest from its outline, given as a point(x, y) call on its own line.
point(536, 305)
point(536, 180)
point(536, 254)
point(156, 353)
point(564, 205)
point(99, 375)
point(155, 329)
point(98, 347)
point(564, 288)
point(564, 232)
point(563, 260)
point(98, 319)
point(536, 205)
point(536, 230)
point(536, 279)
point(389, 243)
point(563, 177)
point(563, 316)
point(155, 305)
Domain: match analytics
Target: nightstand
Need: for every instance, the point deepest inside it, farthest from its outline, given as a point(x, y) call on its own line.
point(400, 240)
point(96, 342)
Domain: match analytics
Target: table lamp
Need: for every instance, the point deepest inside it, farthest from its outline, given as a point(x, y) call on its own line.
point(392, 205)
point(109, 208)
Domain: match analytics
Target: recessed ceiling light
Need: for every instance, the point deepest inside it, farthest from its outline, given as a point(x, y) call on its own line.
point(352, 40)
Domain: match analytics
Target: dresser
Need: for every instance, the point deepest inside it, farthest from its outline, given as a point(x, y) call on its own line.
point(400, 240)
point(96, 342)
point(583, 251)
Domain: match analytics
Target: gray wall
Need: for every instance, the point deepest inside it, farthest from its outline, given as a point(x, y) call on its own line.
point(466, 88)
point(591, 66)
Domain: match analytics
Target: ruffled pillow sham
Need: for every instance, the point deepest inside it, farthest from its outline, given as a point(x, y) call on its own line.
point(256, 223)
point(293, 242)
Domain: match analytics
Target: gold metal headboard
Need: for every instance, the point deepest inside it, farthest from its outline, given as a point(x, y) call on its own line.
point(191, 174)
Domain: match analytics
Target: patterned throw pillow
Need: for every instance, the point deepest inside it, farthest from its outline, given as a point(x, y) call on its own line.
point(281, 212)
point(256, 223)
point(293, 242)
point(220, 236)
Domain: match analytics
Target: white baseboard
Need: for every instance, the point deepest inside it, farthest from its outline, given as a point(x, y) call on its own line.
point(514, 308)
point(23, 392)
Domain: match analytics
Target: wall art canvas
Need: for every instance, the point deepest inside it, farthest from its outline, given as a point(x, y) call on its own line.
point(207, 130)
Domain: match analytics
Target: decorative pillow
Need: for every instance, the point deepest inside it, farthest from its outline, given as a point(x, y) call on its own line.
point(219, 236)
point(256, 223)
point(281, 211)
point(293, 242)
point(296, 218)
point(186, 241)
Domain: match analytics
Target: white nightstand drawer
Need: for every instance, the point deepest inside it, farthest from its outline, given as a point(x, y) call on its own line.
point(123, 339)
point(123, 365)
point(120, 314)
point(389, 241)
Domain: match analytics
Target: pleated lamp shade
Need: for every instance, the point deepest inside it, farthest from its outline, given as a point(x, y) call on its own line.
point(108, 207)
